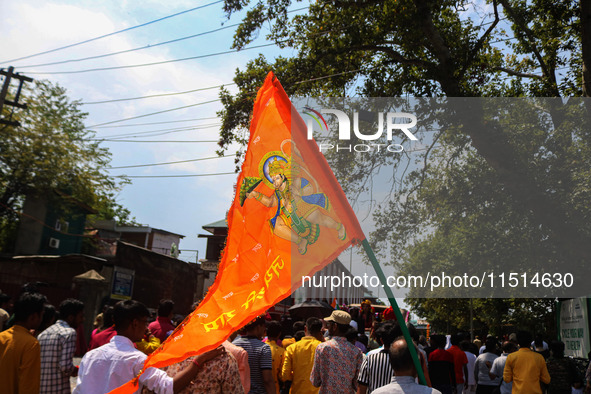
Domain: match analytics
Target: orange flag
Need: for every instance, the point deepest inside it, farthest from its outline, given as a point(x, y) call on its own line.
point(289, 218)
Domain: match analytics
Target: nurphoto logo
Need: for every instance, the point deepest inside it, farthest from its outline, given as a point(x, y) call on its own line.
point(392, 123)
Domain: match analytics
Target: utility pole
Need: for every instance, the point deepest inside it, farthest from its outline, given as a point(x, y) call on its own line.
point(8, 76)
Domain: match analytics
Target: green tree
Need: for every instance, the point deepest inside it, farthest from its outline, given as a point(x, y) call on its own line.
point(418, 47)
point(494, 316)
point(426, 48)
point(52, 150)
point(482, 194)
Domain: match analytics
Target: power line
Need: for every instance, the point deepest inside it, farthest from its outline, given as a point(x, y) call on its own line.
point(170, 162)
point(168, 61)
point(143, 47)
point(173, 176)
point(118, 137)
point(164, 131)
point(326, 76)
point(155, 113)
point(148, 64)
point(153, 123)
point(183, 128)
point(194, 175)
point(185, 59)
point(129, 50)
point(111, 34)
point(158, 95)
point(158, 141)
point(206, 102)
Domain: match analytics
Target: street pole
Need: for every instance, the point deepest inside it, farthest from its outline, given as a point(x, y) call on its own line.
point(8, 76)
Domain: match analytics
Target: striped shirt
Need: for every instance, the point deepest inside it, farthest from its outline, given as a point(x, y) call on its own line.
point(376, 370)
point(58, 344)
point(374, 351)
point(259, 358)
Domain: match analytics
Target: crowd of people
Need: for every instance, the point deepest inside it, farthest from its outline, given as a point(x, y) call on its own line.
point(330, 355)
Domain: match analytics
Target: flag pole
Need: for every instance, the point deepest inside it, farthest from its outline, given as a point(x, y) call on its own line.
point(396, 309)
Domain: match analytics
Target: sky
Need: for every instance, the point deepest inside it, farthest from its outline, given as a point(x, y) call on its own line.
point(177, 204)
point(180, 205)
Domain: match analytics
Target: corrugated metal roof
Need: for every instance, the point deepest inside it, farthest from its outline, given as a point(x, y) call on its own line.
point(219, 224)
point(211, 227)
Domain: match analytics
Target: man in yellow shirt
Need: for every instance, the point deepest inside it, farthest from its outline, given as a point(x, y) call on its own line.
point(148, 344)
point(526, 368)
point(299, 359)
point(277, 352)
point(20, 353)
point(297, 326)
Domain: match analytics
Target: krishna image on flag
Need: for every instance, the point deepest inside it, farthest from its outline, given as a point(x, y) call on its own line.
point(299, 205)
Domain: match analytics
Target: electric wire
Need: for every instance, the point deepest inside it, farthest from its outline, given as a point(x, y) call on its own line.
point(113, 33)
point(156, 95)
point(143, 47)
point(155, 113)
point(109, 124)
point(128, 50)
point(163, 131)
point(105, 124)
point(170, 162)
point(148, 64)
point(154, 123)
point(174, 176)
point(207, 102)
point(112, 138)
point(157, 141)
point(213, 174)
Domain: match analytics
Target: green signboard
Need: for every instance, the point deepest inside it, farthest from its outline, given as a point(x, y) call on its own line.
point(573, 327)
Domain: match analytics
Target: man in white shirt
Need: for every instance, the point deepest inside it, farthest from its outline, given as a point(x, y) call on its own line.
point(471, 388)
point(498, 366)
point(114, 364)
point(541, 345)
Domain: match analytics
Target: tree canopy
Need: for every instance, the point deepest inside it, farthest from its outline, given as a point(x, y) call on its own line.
point(488, 193)
point(52, 150)
point(490, 316)
point(417, 47)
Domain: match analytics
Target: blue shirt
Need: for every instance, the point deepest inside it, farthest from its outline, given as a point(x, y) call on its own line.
point(405, 385)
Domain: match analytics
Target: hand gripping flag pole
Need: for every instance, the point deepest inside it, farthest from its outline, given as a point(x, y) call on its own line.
point(289, 219)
